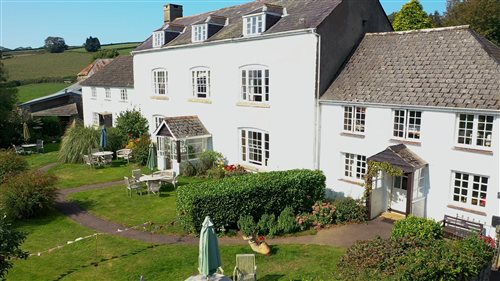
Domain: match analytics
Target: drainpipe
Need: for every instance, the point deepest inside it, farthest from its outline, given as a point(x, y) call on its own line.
point(317, 109)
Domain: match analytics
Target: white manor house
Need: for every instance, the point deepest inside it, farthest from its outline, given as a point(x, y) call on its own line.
point(321, 84)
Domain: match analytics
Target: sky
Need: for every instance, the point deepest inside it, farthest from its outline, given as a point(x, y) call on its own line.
point(28, 22)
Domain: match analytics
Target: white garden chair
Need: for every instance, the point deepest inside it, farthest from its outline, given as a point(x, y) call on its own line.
point(132, 185)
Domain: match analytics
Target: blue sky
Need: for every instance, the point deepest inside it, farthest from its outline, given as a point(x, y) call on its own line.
point(29, 22)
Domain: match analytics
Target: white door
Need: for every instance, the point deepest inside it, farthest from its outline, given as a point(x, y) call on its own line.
point(398, 193)
point(378, 202)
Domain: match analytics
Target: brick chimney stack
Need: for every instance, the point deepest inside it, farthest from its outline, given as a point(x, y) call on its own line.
point(171, 12)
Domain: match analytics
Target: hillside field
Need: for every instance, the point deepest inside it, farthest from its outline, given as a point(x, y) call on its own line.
point(37, 64)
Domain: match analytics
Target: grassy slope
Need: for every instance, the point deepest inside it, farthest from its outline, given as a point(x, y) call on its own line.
point(113, 258)
point(69, 63)
point(38, 160)
point(33, 91)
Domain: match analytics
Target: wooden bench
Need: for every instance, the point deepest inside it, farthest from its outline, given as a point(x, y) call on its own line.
point(459, 228)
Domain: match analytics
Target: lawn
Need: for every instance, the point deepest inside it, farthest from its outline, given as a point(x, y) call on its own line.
point(113, 204)
point(39, 160)
point(68, 63)
point(33, 91)
point(114, 258)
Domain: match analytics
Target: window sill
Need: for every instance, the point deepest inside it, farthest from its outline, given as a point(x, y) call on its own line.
point(409, 142)
point(124, 101)
point(253, 104)
point(107, 99)
point(159, 98)
point(93, 98)
point(253, 168)
point(200, 100)
point(353, 181)
point(354, 135)
point(473, 150)
point(467, 210)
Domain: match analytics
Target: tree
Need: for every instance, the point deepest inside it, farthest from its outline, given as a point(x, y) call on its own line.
point(55, 44)
point(105, 54)
point(131, 124)
point(391, 16)
point(437, 19)
point(8, 99)
point(412, 16)
point(92, 44)
point(482, 15)
point(10, 246)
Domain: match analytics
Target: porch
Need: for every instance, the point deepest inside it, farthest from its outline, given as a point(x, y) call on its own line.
point(180, 139)
point(405, 194)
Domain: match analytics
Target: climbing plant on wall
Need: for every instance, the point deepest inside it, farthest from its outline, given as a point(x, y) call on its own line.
point(373, 169)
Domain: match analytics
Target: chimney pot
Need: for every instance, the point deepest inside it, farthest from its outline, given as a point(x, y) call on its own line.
point(171, 12)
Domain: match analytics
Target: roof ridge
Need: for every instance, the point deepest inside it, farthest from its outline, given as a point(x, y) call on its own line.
point(489, 47)
point(214, 11)
point(426, 30)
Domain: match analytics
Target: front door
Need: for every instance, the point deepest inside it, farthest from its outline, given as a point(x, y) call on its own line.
point(398, 193)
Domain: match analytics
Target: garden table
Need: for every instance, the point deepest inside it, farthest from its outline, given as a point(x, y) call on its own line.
point(29, 146)
point(153, 181)
point(104, 157)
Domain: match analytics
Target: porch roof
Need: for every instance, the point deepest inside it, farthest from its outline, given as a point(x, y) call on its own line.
point(181, 127)
point(401, 157)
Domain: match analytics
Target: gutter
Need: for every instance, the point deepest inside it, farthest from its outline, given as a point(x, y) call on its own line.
point(231, 40)
point(421, 107)
point(317, 108)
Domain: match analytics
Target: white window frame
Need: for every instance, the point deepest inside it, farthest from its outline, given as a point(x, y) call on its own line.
point(474, 133)
point(254, 151)
point(156, 83)
point(158, 39)
point(355, 166)
point(157, 120)
point(123, 94)
point(467, 189)
point(93, 91)
point(354, 119)
point(254, 24)
point(199, 32)
point(197, 82)
point(107, 93)
point(255, 83)
point(404, 129)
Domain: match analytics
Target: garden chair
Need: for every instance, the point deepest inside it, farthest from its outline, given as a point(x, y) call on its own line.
point(91, 161)
point(132, 185)
point(125, 154)
point(107, 160)
point(154, 187)
point(137, 174)
point(19, 149)
point(245, 268)
point(39, 146)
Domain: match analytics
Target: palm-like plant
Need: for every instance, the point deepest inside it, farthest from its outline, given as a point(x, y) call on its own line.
point(77, 141)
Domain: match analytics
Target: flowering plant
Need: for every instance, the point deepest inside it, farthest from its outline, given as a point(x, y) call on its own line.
point(322, 214)
point(489, 241)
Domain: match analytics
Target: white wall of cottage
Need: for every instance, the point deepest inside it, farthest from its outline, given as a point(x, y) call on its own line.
point(101, 104)
point(438, 140)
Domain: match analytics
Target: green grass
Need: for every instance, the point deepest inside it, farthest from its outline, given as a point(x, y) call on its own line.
point(114, 258)
point(68, 63)
point(114, 204)
point(39, 160)
point(32, 91)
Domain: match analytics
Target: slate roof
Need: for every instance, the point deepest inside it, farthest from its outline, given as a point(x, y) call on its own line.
point(401, 157)
point(118, 73)
point(63, 110)
point(300, 15)
point(182, 127)
point(444, 67)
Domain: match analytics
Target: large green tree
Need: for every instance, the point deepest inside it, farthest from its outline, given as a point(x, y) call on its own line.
point(131, 124)
point(55, 44)
point(92, 44)
point(412, 16)
point(482, 15)
point(10, 246)
point(8, 99)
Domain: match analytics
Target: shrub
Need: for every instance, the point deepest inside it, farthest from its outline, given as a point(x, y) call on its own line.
point(141, 149)
point(115, 140)
point(51, 127)
point(419, 228)
point(247, 225)
point(253, 194)
point(286, 223)
point(323, 214)
point(208, 160)
point(215, 173)
point(265, 224)
point(105, 54)
point(77, 141)
point(131, 124)
point(10, 248)
point(27, 195)
point(349, 210)
point(188, 169)
point(11, 163)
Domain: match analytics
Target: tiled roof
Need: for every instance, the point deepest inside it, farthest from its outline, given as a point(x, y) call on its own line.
point(399, 156)
point(94, 67)
point(63, 110)
point(300, 15)
point(445, 67)
point(118, 73)
point(182, 127)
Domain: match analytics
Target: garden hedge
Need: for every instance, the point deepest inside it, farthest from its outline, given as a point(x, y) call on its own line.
point(253, 194)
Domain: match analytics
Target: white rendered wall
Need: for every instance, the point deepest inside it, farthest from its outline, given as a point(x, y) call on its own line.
point(101, 104)
point(289, 118)
point(438, 138)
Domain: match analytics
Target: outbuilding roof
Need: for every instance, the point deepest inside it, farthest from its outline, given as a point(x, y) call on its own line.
point(182, 127)
point(118, 73)
point(444, 67)
point(401, 157)
point(300, 15)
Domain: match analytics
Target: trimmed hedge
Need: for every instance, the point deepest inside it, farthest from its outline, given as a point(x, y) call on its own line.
point(253, 194)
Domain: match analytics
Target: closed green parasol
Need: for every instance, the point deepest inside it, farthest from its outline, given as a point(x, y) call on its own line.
point(151, 164)
point(209, 256)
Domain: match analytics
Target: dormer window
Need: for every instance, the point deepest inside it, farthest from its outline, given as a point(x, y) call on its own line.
point(254, 25)
point(158, 39)
point(199, 33)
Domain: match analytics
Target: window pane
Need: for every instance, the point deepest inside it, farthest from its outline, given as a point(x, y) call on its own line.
point(484, 130)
